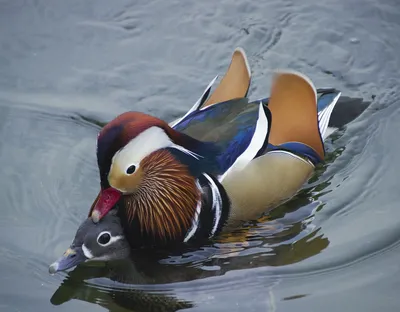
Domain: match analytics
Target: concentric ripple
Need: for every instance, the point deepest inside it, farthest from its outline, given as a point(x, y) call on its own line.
point(46, 190)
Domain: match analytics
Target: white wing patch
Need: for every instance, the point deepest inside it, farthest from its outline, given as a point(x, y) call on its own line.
point(255, 145)
point(324, 116)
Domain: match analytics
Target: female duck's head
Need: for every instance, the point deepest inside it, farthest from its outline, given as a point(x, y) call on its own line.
point(102, 241)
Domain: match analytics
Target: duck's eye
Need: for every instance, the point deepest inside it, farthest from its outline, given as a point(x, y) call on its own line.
point(104, 238)
point(131, 169)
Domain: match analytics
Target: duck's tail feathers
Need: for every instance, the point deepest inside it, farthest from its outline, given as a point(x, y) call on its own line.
point(325, 106)
point(335, 111)
point(293, 105)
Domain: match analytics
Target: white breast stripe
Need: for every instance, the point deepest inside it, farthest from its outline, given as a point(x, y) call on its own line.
point(196, 105)
point(255, 145)
point(217, 203)
point(195, 223)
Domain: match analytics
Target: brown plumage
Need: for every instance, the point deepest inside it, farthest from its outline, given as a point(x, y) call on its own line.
point(166, 198)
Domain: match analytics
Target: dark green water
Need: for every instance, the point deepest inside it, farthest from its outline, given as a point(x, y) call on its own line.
point(334, 247)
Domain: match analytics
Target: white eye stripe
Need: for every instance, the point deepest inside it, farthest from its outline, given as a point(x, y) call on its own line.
point(115, 239)
point(87, 252)
point(150, 140)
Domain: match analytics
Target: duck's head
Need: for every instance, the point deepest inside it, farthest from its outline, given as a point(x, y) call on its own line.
point(149, 170)
point(102, 241)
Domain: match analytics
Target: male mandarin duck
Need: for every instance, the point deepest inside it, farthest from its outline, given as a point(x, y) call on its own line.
point(226, 161)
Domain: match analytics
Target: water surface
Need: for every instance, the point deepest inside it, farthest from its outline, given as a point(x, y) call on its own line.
point(67, 66)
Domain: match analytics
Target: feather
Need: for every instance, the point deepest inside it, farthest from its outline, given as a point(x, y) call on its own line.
point(164, 205)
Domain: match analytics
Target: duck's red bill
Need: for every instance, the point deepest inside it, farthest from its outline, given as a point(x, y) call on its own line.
point(106, 201)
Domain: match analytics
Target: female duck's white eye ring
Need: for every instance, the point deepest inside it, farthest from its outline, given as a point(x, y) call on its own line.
point(131, 169)
point(104, 238)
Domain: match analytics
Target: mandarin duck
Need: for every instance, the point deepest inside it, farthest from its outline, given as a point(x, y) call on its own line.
point(226, 161)
point(100, 241)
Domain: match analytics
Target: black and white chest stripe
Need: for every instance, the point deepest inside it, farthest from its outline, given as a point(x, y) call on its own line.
point(212, 210)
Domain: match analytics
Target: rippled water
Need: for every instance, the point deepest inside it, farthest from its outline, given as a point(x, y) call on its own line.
point(66, 66)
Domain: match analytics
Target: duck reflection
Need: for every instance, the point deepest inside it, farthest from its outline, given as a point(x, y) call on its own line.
point(112, 296)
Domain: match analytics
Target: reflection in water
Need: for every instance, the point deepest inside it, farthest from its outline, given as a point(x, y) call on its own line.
point(75, 286)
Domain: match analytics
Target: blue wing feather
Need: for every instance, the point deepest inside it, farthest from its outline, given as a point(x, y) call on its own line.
point(229, 125)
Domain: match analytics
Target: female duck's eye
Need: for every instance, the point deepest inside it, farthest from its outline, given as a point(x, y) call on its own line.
point(131, 169)
point(104, 238)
